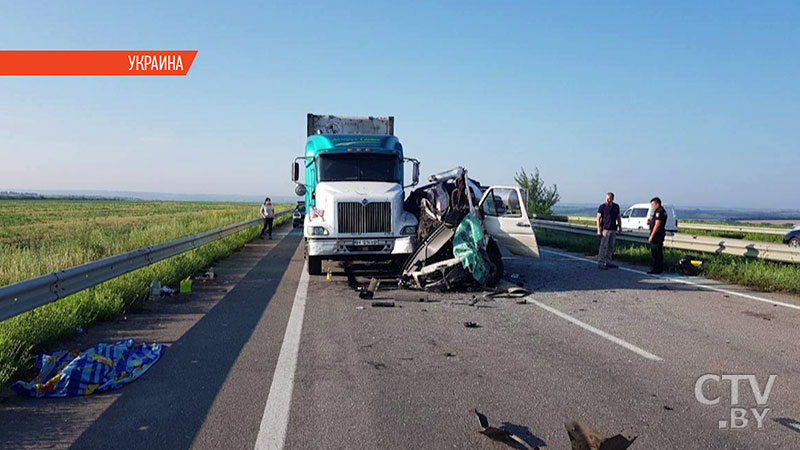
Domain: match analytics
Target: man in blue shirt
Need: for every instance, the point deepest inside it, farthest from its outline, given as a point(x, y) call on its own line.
point(608, 224)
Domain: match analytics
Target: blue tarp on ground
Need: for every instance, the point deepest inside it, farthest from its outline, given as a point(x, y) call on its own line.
point(101, 368)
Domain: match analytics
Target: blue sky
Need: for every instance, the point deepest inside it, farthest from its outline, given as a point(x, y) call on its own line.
point(698, 102)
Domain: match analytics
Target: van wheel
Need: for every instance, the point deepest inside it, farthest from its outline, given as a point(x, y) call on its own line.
point(794, 242)
point(496, 264)
point(314, 265)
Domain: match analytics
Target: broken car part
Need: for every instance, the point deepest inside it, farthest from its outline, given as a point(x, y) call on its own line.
point(583, 437)
point(499, 434)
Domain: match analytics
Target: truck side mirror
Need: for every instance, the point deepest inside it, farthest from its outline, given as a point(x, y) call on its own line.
point(295, 171)
point(415, 173)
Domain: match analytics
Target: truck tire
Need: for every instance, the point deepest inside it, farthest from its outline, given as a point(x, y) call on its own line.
point(314, 265)
point(496, 267)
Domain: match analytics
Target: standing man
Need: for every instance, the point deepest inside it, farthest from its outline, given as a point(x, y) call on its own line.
point(657, 234)
point(268, 213)
point(608, 224)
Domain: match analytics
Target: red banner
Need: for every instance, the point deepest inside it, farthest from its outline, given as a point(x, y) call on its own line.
point(95, 62)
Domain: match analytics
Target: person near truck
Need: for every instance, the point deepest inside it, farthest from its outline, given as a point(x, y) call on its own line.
point(609, 223)
point(268, 213)
point(657, 234)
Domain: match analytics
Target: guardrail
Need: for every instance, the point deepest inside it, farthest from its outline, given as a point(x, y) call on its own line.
point(733, 228)
point(706, 244)
point(712, 227)
point(25, 295)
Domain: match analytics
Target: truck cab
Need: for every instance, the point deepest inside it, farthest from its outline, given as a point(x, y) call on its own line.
point(354, 193)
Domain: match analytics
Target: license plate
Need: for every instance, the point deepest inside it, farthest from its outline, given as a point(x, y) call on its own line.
point(363, 242)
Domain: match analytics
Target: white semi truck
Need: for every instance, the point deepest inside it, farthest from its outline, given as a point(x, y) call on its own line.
point(353, 188)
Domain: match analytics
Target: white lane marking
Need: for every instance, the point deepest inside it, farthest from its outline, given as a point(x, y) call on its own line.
point(601, 333)
point(682, 280)
point(272, 432)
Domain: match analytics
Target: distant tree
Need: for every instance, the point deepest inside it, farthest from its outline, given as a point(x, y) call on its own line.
point(541, 198)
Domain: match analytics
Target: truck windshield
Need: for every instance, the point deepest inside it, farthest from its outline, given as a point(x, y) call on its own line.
point(360, 167)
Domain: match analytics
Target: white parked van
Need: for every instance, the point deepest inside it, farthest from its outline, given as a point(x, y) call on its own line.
point(635, 217)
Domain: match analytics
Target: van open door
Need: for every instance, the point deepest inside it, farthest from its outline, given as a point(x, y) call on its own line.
point(506, 220)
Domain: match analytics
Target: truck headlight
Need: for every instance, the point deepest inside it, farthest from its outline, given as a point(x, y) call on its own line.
point(409, 229)
point(317, 231)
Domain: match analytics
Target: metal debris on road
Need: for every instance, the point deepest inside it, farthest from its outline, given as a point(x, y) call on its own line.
point(499, 434)
point(583, 437)
point(369, 291)
point(471, 324)
point(383, 304)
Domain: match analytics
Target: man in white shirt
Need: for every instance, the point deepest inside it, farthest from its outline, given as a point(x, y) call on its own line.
point(268, 213)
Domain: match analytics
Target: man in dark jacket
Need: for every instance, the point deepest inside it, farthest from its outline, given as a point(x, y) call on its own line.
point(608, 224)
point(657, 234)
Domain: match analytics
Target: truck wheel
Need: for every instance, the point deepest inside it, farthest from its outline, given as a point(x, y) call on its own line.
point(496, 263)
point(314, 265)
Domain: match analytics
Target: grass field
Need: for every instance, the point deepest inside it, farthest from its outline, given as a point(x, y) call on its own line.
point(42, 236)
point(755, 273)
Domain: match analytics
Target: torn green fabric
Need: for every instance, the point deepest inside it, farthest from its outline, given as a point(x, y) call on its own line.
point(468, 247)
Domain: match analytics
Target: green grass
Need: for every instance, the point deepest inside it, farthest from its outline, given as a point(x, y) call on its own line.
point(38, 237)
point(755, 273)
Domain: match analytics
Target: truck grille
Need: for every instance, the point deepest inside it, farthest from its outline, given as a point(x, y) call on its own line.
point(370, 218)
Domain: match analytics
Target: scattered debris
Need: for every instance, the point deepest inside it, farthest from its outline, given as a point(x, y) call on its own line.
point(668, 408)
point(369, 291)
point(499, 434)
point(383, 304)
point(186, 286)
point(111, 366)
point(377, 365)
point(450, 355)
point(167, 291)
point(522, 301)
point(765, 316)
point(413, 297)
point(359, 307)
point(583, 437)
point(690, 265)
point(471, 324)
point(514, 276)
point(155, 289)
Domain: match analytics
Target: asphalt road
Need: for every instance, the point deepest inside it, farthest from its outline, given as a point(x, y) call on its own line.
point(269, 358)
